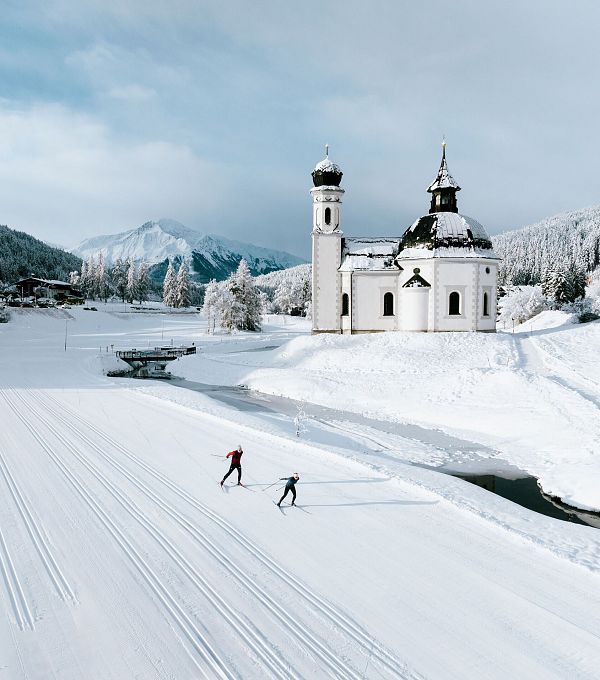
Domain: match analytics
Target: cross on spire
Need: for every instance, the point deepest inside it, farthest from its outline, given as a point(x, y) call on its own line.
point(326, 150)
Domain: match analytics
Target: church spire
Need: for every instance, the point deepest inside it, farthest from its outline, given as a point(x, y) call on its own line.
point(443, 189)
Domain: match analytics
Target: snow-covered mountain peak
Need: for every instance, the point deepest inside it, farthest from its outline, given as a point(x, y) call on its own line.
point(210, 255)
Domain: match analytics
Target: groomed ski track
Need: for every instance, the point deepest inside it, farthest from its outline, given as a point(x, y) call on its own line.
point(48, 412)
point(120, 556)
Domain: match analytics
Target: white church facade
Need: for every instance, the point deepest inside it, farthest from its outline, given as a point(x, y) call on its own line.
point(440, 275)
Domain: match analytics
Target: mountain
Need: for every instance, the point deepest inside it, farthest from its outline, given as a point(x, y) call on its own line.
point(22, 255)
point(561, 240)
point(210, 256)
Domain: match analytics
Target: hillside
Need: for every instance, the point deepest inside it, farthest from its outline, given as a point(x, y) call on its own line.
point(572, 237)
point(210, 256)
point(22, 254)
point(287, 277)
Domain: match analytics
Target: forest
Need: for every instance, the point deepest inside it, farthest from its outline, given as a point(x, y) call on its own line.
point(22, 255)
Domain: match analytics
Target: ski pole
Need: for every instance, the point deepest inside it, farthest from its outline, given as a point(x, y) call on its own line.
point(270, 485)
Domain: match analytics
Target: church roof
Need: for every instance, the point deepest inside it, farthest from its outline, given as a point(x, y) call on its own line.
point(328, 166)
point(445, 234)
point(369, 253)
point(326, 172)
point(444, 179)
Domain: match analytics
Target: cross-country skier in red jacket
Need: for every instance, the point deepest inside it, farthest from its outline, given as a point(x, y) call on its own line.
point(236, 464)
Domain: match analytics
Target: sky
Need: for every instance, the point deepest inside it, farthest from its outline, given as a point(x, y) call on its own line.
point(215, 113)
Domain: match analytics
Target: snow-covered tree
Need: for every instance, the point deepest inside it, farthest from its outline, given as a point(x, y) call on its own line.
point(86, 280)
point(143, 283)
point(119, 278)
point(101, 285)
point(560, 241)
point(520, 304)
point(74, 278)
point(182, 287)
point(131, 290)
point(243, 309)
point(576, 278)
point(169, 286)
point(211, 307)
point(564, 285)
point(288, 291)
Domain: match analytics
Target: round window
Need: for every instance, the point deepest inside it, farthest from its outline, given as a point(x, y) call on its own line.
point(487, 270)
point(416, 270)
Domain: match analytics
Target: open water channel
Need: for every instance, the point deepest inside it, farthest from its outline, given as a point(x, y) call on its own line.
point(472, 462)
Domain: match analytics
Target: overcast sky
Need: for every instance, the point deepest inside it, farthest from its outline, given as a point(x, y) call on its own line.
point(214, 113)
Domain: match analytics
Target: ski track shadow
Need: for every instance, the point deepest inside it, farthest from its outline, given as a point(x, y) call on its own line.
point(392, 502)
point(364, 480)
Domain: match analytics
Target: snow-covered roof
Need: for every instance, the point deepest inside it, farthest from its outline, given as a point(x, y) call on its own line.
point(424, 254)
point(328, 166)
point(326, 172)
point(369, 253)
point(445, 234)
point(49, 282)
point(444, 179)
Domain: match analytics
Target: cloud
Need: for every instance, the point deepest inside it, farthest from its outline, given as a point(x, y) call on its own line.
point(65, 176)
point(132, 93)
point(243, 95)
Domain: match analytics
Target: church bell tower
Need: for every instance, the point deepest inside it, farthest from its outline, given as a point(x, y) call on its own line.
point(326, 245)
point(443, 189)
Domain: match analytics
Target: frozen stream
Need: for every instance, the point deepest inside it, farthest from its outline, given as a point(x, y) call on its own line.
point(459, 457)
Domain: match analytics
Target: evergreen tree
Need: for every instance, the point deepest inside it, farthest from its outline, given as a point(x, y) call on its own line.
point(560, 286)
point(131, 291)
point(143, 283)
point(547, 284)
point(182, 287)
point(576, 280)
point(101, 278)
point(119, 278)
point(169, 286)
point(21, 255)
point(86, 277)
point(229, 308)
point(83, 278)
point(210, 307)
point(90, 279)
point(287, 291)
point(242, 306)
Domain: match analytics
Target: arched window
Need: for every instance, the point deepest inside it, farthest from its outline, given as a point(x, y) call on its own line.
point(486, 305)
point(388, 304)
point(344, 301)
point(454, 304)
point(327, 215)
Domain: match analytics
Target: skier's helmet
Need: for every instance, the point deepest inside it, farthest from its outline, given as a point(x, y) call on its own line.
point(296, 475)
point(240, 448)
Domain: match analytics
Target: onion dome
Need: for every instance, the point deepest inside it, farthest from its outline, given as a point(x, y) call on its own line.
point(327, 173)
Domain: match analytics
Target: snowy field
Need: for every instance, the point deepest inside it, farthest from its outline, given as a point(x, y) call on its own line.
point(121, 557)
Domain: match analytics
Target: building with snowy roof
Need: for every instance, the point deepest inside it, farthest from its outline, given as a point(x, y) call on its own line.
point(440, 275)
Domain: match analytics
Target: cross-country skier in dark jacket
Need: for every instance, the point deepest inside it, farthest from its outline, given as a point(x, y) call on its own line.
point(290, 485)
point(236, 464)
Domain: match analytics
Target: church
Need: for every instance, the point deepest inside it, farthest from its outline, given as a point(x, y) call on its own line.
point(440, 275)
